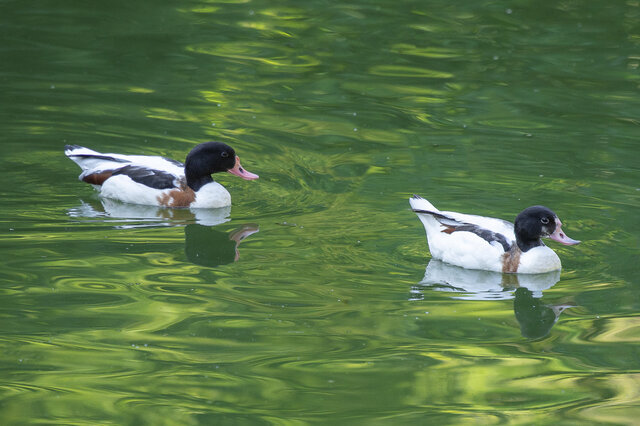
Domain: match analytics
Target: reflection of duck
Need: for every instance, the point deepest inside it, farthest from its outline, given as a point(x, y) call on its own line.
point(475, 284)
point(159, 181)
point(535, 318)
point(204, 245)
point(491, 244)
point(209, 247)
point(137, 215)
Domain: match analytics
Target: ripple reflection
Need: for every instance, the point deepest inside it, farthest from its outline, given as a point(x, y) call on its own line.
point(471, 284)
point(204, 245)
point(139, 216)
point(535, 317)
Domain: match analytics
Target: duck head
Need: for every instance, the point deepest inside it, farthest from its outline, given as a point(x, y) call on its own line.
point(212, 157)
point(537, 222)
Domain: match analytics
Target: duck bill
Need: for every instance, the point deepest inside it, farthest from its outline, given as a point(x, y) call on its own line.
point(559, 236)
point(239, 171)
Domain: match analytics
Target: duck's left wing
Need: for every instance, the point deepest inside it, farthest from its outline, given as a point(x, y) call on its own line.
point(458, 224)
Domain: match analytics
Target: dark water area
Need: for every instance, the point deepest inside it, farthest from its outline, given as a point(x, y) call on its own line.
point(314, 299)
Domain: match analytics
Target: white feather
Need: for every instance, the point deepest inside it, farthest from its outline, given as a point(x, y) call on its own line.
point(125, 189)
point(212, 195)
point(98, 161)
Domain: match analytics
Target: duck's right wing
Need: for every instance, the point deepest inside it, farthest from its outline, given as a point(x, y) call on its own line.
point(489, 229)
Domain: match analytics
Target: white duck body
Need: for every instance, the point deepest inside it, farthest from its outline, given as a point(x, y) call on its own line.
point(123, 188)
point(478, 242)
point(158, 181)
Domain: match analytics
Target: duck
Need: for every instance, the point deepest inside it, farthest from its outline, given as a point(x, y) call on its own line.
point(492, 244)
point(159, 181)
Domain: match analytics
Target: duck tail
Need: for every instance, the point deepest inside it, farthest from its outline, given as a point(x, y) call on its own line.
point(421, 205)
point(87, 158)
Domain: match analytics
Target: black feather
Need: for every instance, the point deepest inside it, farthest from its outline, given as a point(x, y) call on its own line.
point(153, 178)
point(454, 225)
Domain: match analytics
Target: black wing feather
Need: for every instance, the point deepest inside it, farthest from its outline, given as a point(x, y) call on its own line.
point(153, 178)
point(455, 226)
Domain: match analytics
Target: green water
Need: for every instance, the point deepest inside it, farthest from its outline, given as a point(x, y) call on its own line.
point(322, 312)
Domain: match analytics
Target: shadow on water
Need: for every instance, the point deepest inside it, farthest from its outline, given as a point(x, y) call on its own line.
point(203, 244)
point(535, 317)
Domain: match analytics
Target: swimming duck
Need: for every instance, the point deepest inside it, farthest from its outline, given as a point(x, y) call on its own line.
point(159, 181)
point(477, 242)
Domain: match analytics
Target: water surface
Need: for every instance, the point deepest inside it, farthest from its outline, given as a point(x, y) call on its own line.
point(314, 298)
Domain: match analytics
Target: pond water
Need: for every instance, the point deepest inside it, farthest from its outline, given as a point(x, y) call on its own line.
point(314, 298)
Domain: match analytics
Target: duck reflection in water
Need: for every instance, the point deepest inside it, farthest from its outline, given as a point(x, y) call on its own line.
point(204, 245)
point(535, 318)
point(139, 216)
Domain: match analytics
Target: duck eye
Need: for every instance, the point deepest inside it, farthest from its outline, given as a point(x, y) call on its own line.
point(224, 154)
point(544, 220)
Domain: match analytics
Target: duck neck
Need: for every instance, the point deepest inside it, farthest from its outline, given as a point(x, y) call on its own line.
point(526, 245)
point(196, 182)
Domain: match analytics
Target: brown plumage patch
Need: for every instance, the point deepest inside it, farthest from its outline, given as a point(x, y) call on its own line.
point(511, 259)
point(98, 178)
point(179, 197)
point(449, 230)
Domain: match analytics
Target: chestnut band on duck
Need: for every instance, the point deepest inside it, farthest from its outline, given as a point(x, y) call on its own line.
point(478, 242)
point(155, 180)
